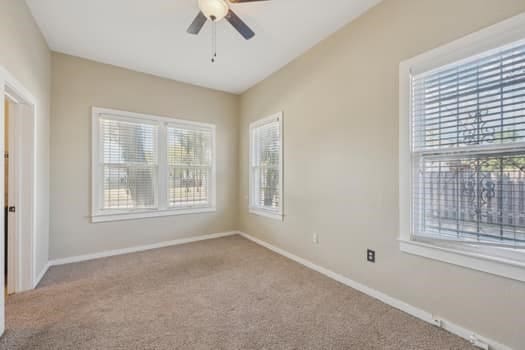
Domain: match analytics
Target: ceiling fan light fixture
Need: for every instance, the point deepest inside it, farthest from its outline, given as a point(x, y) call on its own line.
point(214, 9)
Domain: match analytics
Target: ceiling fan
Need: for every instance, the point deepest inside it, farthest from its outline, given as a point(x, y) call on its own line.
point(215, 10)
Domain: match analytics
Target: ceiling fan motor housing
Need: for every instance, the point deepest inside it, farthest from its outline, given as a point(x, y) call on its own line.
point(214, 10)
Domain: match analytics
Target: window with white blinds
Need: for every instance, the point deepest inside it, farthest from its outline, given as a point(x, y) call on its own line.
point(147, 166)
point(266, 171)
point(189, 166)
point(468, 149)
point(129, 164)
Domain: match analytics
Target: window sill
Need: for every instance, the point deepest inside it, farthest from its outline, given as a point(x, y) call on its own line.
point(148, 214)
point(481, 262)
point(266, 213)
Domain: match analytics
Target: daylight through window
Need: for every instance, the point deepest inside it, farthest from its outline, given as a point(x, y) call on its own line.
point(151, 166)
point(468, 149)
point(266, 166)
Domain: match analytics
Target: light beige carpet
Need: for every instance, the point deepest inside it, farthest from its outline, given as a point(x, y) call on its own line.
point(226, 293)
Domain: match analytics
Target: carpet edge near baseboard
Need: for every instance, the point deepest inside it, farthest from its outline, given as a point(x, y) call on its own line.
point(421, 314)
point(475, 339)
point(135, 249)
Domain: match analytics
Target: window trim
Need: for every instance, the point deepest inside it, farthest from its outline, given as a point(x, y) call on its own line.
point(482, 258)
point(163, 208)
point(252, 208)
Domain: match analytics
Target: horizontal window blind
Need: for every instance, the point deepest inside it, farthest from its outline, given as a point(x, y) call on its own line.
point(468, 154)
point(150, 166)
point(190, 166)
point(129, 154)
point(266, 166)
point(477, 102)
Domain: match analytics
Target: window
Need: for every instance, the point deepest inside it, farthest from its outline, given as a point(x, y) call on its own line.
point(189, 166)
point(266, 170)
point(130, 164)
point(146, 166)
point(466, 151)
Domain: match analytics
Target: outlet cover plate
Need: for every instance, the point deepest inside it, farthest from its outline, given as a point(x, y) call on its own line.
point(371, 255)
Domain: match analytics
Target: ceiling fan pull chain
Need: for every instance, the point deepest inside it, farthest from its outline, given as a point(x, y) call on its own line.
point(214, 41)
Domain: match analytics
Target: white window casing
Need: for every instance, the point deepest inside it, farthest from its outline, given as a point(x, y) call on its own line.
point(149, 166)
point(461, 149)
point(266, 167)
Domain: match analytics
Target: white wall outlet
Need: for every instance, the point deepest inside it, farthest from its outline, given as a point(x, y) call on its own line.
point(315, 238)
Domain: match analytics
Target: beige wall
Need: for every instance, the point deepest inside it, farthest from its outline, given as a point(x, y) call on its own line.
point(340, 103)
point(78, 85)
point(24, 53)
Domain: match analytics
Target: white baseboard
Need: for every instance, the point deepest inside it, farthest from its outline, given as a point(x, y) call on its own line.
point(472, 337)
point(41, 275)
point(109, 253)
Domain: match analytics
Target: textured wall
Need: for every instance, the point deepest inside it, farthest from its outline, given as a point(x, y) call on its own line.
point(340, 103)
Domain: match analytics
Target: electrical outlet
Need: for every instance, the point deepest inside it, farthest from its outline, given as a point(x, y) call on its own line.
point(315, 238)
point(371, 255)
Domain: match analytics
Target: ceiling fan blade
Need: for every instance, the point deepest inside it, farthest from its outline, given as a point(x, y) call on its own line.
point(237, 1)
point(238, 24)
point(196, 26)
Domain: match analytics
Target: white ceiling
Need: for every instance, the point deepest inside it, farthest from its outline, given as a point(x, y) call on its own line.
point(150, 36)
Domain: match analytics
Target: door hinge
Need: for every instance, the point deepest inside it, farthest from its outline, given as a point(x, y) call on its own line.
point(12, 209)
point(6, 155)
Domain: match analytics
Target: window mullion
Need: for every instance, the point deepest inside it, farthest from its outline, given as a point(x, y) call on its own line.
point(163, 170)
point(100, 186)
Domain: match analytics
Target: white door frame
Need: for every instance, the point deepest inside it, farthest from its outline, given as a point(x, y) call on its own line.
point(25, 112)
point(12, 239)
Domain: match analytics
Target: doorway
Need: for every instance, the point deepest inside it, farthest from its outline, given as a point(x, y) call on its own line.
point(8, 287)
point(11, 238)
point(18, 115)
point(19, 197)
point(6, 191)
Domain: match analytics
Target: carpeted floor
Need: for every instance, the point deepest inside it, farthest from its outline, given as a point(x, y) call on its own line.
point(226, 293)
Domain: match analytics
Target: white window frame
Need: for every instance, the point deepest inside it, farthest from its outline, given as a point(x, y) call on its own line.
point(163, 209)
point(253, 208)
point(506, 262)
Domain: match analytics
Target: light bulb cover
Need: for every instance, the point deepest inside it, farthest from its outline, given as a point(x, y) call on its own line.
point(217, 9)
